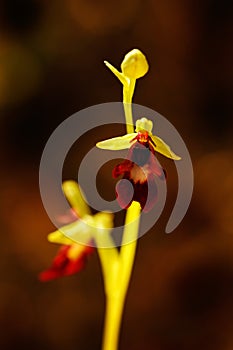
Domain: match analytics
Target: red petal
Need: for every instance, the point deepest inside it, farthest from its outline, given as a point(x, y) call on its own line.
point(63, 266)
point(122, 168)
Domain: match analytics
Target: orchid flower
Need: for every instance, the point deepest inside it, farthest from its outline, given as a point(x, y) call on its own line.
point(71, 257)
point(141, 166)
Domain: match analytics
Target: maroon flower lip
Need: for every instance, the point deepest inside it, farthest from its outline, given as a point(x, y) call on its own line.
point(140, 169)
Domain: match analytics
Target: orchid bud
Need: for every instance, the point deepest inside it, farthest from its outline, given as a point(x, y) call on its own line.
point(134, 65)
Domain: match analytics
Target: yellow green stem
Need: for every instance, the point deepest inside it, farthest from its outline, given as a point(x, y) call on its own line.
point(117, 276)
point(109, 261)
point(113, 316)
point(129, 243)
point(128, 90)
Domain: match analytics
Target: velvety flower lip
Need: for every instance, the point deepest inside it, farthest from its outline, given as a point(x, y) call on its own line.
point(140, 169)
point(69, 260)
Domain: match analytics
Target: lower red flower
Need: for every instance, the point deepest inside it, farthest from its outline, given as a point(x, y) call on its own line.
point(69, 260)
point(140, 169)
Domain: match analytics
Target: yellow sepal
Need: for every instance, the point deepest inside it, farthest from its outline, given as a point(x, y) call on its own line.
point(163, 148)
point(79, 231)
point(117, 143)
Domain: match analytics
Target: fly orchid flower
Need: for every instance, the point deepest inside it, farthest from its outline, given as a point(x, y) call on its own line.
point(141, 166)
point(72, 256)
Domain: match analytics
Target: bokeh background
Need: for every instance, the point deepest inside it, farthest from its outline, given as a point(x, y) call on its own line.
point(51, 66)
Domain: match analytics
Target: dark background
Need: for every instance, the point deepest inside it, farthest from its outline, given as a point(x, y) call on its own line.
point(51, 66)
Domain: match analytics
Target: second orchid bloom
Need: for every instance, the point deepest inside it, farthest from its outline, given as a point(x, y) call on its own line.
point(86, 228)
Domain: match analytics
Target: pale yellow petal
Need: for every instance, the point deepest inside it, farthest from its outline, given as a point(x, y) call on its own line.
point(117, 143)
point(163, 148)
point(76, 198)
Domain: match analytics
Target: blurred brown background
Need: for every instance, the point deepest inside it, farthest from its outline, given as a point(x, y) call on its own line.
point(51, 65)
